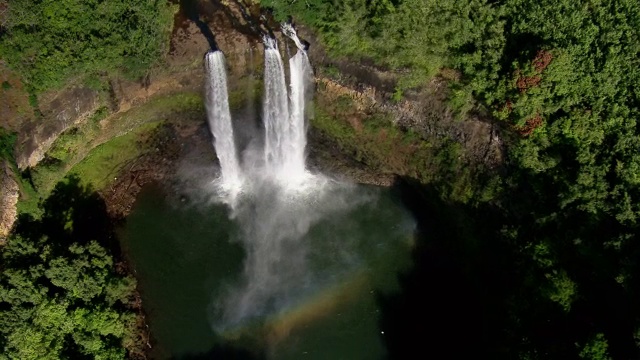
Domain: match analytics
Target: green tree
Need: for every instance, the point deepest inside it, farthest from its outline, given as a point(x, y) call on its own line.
point(50, 41)
point(60, 293)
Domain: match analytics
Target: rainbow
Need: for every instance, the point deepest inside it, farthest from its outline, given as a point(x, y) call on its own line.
point(276, 328)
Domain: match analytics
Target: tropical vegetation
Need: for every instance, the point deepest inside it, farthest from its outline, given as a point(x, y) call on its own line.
point(49, 42)
point(64, 293)
point(561, 79)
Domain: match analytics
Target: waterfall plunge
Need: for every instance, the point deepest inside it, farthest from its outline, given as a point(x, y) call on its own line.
point(278, 145)
point(274, 211)
point(300, 79)
point(219, 116)
point(285, 128)
point(283, 119)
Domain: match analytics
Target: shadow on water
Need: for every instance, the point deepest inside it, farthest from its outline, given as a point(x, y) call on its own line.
point(226, 352)
point(446, 308)
point(474, 292)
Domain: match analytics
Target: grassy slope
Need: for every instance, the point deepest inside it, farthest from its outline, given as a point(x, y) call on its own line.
point(99, 148)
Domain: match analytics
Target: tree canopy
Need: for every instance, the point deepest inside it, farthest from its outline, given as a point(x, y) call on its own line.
point(562, 81)
point(50, 41)
point(61, 293)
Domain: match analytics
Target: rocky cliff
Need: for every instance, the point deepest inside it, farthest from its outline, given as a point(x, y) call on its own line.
point(234, 29)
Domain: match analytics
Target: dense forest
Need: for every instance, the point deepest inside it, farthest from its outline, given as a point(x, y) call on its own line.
point(49, 42)
point(562, 80)
point(64, 289)
point(63, 292)
point(557, 240)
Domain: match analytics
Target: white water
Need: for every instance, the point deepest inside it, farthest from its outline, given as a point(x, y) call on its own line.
point(284, 201)
point(284, 134)
point(300, 80)
point(274, 109)
point(280, 200)
point(219, 116)
point(290, 32)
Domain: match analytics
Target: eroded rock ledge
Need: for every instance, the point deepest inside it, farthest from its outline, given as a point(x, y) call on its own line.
point(9, 192)
point(371, 88)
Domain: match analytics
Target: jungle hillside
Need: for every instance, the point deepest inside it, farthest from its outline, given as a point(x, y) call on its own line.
point(546, 240)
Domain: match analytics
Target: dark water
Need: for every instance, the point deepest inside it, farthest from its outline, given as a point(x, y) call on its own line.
point(314, 295)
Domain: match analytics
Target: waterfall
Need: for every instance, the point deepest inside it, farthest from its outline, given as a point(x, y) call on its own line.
point(277, 145)
point(283, 115)
point(300, 69)
point(219, 116)
point(300, 76)
point(274, 211)
point(284, 121)
point(290, 32)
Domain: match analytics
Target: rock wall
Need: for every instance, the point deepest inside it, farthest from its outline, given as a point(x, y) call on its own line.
point(60, 110)
point(424, 110)
point(229, 27)
point(9, 193)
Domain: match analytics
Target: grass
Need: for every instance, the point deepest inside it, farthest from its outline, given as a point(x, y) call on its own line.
point(377, 142)
point(105, 161)
point(96, 149)
point(160, 108)
point(29, 199)
point(246, 89)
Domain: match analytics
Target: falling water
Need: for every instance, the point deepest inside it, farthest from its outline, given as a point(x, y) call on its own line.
point(284, 122)
point(300, 79)
point(277, 147)
point(217, 103)
point(290, 32)
point(281, 202)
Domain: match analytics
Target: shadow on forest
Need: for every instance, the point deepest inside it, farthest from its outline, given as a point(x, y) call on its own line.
point(72, 213)
point(474, 293)
point(447, 307)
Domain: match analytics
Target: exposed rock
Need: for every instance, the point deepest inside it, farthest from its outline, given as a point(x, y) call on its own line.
point(424, 110)
point(229, 27)
point(60, 110)
point(325, 156)
point(9, 192)
point(426, 113)
point(150, 166)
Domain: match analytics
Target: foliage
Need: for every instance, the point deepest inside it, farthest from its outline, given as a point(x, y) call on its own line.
point(7, 140)
point(116, 142)
point(60, 293)
point(387, 149)
point(596, 349)
point(50, 41)
point(560, 78)
point(106, 160)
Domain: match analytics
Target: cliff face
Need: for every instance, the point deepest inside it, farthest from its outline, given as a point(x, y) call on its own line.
point(9, 193)
point(424, 110)
point(70, 106)
point(60, 110)
point(227, 26)
point(232, 29)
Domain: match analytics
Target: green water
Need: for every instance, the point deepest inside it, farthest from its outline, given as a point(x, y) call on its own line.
point(322, 297)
